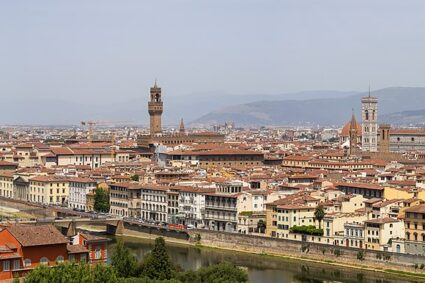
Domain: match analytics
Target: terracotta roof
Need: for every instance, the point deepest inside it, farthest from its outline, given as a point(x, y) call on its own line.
point(76, 249)
point(93, 238)
point(49, 179)
point(420, 208)
point(407, 131)
point(381, 220)
point(360, 185)
point(28, 235)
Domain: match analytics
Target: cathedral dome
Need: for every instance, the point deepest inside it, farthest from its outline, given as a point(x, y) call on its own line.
point(345, 132)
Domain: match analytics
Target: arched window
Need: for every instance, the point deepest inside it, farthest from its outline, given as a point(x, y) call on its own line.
point(367, 114)
point(98, 253)
point(44, 260)
point(27, 262)
point(59, 259)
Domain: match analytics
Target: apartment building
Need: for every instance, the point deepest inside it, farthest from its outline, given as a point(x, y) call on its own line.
point(379, 232)
point(192, 205)
point(49, 190)
point(78, 190)
point(221, 212)
point(415, 230)
point(125, 199)
point(6, 184)
point(154, 203)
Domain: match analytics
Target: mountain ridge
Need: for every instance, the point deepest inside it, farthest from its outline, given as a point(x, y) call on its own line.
point(322, 111)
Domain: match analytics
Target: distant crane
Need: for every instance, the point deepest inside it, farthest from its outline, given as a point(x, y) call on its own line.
point(91, 124)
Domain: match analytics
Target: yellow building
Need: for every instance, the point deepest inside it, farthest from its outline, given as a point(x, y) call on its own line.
point(6, 184)
point(293, 215)
point(49, 190)
point(398, 193)
point(415, 230)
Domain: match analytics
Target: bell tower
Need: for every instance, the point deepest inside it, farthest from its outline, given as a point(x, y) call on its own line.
point(370, 123)
point(155, 109)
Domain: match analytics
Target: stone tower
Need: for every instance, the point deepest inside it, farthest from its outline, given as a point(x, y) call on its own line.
point(370, 123)
point(353, 136)
point(384, 138)
point(155, 109)
point(182, 129)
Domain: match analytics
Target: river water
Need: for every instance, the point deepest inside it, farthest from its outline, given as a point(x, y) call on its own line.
point(261, 268)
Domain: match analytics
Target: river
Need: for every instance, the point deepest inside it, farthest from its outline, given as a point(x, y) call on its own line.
point(261, 268)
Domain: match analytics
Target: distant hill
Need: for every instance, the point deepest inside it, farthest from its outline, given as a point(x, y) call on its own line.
point(322, 111)
point(405, 118)
point(68, 111)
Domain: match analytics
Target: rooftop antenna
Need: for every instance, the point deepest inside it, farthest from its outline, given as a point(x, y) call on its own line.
point(369, 89)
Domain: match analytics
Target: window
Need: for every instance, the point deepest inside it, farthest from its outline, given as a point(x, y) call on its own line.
point(59, 259)
point(27, 262)
point(6, 265)
point(98, 254)
point(16, 264)
point(83, 258)
point(44, 260)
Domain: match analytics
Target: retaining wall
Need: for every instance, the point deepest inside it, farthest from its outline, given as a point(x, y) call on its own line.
point(324, 252)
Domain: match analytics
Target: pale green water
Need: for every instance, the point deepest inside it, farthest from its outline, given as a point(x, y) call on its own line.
point(262, 269)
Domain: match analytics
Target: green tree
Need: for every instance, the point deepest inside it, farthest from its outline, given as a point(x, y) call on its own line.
point(135, 178)
point(222, 272)
point(101, 200)
point(319, 214)
point(157, 264)
point(123, 262)
point(41, 274)
point(72, 273)
point(261, 226)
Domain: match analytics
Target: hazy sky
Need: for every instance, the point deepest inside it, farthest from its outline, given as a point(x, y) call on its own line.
point(87, 49)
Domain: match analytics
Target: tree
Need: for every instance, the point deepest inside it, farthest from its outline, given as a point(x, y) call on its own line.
point(319, 214)
point(101, 200)
point(123, 262)
point(261, 226)
point(157, 264)
point(135, 178)
point(222, 272)
point(72, 273)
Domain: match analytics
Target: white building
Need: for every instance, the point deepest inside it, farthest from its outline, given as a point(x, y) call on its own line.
point(154, 203)
point(192, 205)
point(78, 190)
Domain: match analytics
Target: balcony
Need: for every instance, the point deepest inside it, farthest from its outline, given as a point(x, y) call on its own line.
point(220, 206)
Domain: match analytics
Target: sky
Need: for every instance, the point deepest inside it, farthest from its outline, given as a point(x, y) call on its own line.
point(88, 50)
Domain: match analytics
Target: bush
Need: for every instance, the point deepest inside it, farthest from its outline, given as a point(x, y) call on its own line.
point(422, 266)
point(386, 256)
point(305, 248)
point(222, 272)
point(307, 230)
point(72, 273)
point(337, 252)
point(360, 255)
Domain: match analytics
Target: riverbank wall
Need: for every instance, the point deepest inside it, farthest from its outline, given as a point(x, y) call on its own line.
point(309, 251)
